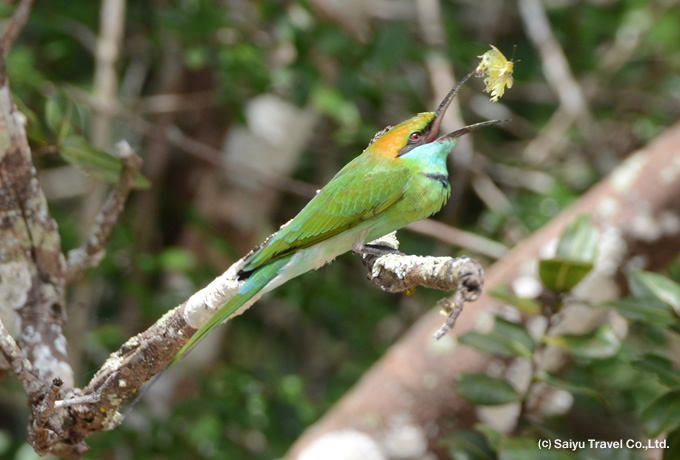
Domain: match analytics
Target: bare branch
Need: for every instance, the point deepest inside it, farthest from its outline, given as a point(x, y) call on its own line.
point(112, 24)
point(452, 309)
point(573, 103)
point(91, 253)
point(165, 103)
point(77, 400)
point(44, 432)
point(16, 24)
point(46, 407)
point(397, 272)
point(555, 64)
point(32, 303)
point(144, 356)
point(457, 237)
point(21, 367)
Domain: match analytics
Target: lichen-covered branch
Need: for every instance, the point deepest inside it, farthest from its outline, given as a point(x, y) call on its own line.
point(93, 250)
point(32, 267)
point(396, 272)
point(100, 405)
point(31, 263)
point(32, 280)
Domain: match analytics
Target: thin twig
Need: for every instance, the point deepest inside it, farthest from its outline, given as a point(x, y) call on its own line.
point(91, 253)
point(77, 400)
point(452, 310)
point(555, 64)
point(560, 77)
point(16, 24)
point(165, 103)
point(493, 197)
point(552, 138)
point(46, 407)
point(21, 367)
point(457, 237)
point(111, 23)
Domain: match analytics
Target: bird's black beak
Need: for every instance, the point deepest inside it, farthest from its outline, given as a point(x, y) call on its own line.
point(441, 110)
point(469, 128)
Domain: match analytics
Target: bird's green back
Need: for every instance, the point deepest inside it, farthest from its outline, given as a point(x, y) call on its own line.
point(364, 188)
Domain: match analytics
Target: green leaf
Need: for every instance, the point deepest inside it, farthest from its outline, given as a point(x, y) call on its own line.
point(574, 257)
point(5, 442)
point(599, 344)
point(672, 450)
point(663, 414)
point(571, 387)
point(562, 275)
point(487, 343)
point(468, 445)
point(34, 130)
point(647, 310)
point(517, 336)
point(523, 304)
point(65, 126)
point(177, 259)
point(646, 284)
point(660, 366)
point(507, 339)
point(54, 112)
point(480, 389)
point(103, 166)
point(579, 241)
point(493, 436)
point(329, 101)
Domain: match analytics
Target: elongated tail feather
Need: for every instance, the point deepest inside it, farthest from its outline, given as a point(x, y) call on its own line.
point(255, 283)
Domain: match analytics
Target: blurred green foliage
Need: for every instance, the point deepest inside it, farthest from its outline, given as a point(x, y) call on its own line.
point(612, 373)
point(285, 362)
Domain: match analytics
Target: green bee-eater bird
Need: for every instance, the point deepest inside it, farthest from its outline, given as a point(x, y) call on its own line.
point(401, 177)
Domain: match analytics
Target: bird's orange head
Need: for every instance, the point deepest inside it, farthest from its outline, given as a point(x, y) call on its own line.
point(395, 141)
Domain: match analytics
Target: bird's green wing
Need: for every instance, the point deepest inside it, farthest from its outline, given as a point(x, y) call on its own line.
point(364, 188)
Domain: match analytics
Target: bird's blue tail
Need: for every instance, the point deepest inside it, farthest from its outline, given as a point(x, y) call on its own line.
point(254, 284)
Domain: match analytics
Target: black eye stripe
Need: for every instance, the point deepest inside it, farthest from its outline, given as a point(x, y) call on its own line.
point(414, 140)
point(407, 148)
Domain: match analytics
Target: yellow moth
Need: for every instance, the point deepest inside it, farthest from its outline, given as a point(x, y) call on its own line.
point(498, 71)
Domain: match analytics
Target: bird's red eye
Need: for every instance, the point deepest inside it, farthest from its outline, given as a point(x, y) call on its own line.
point(415, 136)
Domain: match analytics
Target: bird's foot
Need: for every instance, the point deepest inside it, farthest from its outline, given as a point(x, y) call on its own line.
point(376, 250)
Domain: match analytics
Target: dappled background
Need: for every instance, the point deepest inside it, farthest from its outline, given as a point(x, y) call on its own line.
point(242, 110)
